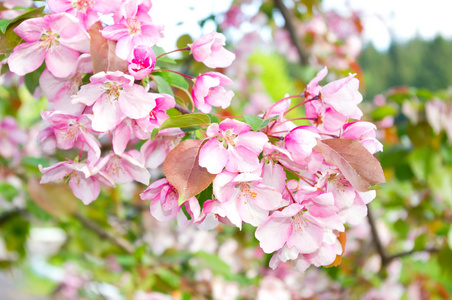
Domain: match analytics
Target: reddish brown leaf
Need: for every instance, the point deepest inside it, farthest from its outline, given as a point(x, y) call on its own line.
point(358, 166)
point(183, 171)
point(103, 52)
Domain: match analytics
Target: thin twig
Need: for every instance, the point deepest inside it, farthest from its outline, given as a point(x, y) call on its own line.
point(118, 241)
point(182, 109)
point(292, 31)
point(406, 253)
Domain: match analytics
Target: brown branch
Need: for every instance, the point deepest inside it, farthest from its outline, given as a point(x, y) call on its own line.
point(182, 109)
point(290, 27)
point(373, 228)
point(385, 258)
point(118, 241)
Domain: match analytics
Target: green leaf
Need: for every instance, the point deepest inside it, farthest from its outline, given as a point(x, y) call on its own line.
point(205, 195)
point(9, 39)
point(190, 120)
point(163, 86)
point(383, 111)
point(169, 277)
point(8, 191)
point(32, 79)
point(4, 24)
point(126, 260)
point(154, 133)
point(29, 14)
point(424, 162)
point(420, 242)
point(214, 263)
point(256, 123)
point(213, 118)
point(173, 79)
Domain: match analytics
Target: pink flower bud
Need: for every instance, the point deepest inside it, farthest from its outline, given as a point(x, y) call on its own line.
point(141, 61)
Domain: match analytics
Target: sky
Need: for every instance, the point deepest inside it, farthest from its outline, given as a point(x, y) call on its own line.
point(400, 19)
point(383, 19)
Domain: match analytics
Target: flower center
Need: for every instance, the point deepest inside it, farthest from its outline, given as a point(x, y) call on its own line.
point(227, 139)
point(133, 25)
point(114, 166)
point(245, 192)
point(49, 39)
point(299, 223)
point(113, 90)
point(71, 132)
point(82, 5)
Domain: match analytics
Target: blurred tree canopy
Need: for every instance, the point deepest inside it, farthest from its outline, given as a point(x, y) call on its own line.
point(418, 62)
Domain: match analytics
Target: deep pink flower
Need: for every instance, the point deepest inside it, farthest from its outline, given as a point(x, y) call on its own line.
point(141, 61)
point(208, 91)
point(232, 145)
point(114, 96)
point(57, 39)
point(209, 50)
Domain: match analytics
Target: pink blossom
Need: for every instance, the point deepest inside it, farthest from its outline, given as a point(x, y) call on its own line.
point(244, 198)
point(232, 145)
point(164, 200)
point(84, 184)
point(209, 50)
point(85, 10)
point(10, 137)
point(281, 126)
point(73, 131)
point(57, 39)
point(313, 89)
point(141, 61)
point(324, 117)
point(208, 91)
point(114, 96)
point(157, 115)
point(299, 225)
point(60, 90)
point(13, 3)
point(233, 17)
point(300, 142)
point(343, 96)
point(123, 168)
point(132, 27)
point(365, 133)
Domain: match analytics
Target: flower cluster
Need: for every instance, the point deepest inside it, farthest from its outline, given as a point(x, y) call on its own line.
point(298, 185)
